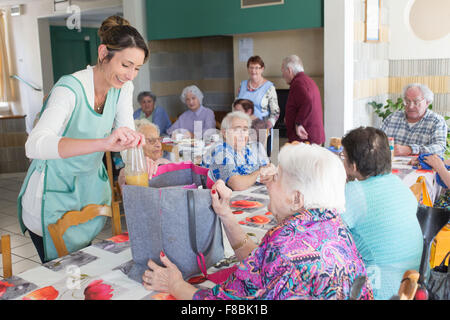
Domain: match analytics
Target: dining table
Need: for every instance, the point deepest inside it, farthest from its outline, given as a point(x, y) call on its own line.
point(99, 271)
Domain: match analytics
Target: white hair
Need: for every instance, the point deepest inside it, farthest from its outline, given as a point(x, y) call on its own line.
point(227, 121)
point(142, 123)
point(294, 63)
point(427, 93)
point(195, 91)
point(316, 172)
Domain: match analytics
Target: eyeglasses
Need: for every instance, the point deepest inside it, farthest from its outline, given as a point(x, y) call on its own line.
point(415, 102)
point(254, 68)
point(341, 155)
point(243, 130)
point(153, 141)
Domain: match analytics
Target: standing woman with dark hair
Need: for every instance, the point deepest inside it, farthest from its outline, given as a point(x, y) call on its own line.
point(74, 131)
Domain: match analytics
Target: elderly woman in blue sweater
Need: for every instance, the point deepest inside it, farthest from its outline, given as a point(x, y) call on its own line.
point(380, 211)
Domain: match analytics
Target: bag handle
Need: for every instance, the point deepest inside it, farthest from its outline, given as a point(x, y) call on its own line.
point(193, 226)
point(442, 265)
point(191, 218)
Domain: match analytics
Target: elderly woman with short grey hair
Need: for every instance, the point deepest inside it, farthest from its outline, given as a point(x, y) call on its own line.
point(309, 254)
point(236, 160)
point(156, 115)
point(197, 119)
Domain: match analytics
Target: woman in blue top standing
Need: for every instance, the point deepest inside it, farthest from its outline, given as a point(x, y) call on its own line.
point(75, 129)
point(380, 211)
point(261, 92)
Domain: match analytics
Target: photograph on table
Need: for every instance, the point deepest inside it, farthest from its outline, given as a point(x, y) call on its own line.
point(15, 287)
point(78, 287)
point(264, 221)
point(261, 190)
point(78, 258)
point(248, 203)
point(125, 267)
point(115, 244)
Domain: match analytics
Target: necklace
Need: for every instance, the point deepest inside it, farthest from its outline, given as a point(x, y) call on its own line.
point(251, 87)
point(99, 109)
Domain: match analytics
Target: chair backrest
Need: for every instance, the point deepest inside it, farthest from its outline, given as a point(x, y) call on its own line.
point(116, 196)
point(5, 250)
point(431, 221)
point(73, 218)
point(409, 285)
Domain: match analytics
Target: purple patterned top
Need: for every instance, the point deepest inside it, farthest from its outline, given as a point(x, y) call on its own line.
point(310, 255)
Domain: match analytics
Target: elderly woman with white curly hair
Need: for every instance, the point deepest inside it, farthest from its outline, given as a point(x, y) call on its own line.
point(309, 254)
point(236, 160)
point(197, 116)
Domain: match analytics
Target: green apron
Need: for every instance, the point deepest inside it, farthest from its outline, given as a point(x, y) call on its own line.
point(72, 183)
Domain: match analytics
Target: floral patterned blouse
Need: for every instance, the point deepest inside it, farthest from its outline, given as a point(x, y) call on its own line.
point(310, 255)
point(224, 162)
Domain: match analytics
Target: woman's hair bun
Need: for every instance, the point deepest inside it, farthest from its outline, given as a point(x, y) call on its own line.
point(108, 24)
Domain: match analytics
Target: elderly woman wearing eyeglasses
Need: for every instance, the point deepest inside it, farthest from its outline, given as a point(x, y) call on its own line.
point(236, 160)
point(261, 92)
point(309, 254)
point(152, 149)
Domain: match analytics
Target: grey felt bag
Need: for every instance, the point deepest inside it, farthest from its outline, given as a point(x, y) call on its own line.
point(177, 220)
point(439, 281)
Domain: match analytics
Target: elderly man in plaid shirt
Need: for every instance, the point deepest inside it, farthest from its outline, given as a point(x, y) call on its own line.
point(417, 129)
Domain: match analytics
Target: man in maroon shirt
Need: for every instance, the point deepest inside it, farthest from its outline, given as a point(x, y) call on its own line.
point(303, 111)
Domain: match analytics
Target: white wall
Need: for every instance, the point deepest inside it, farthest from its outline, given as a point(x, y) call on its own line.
point(135, 12)
point(404, 43)
point(27, 62)
point(30, 42)
point(338, 67)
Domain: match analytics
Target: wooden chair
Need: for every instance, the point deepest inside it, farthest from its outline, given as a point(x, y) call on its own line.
point(74, 218)
point(116, 197)
point(5, 250)
point(409, 285)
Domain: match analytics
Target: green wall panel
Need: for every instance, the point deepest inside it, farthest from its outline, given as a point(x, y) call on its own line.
point(171, 19)
point(72, 50)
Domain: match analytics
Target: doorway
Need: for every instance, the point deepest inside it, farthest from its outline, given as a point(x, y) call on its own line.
point(72, 50)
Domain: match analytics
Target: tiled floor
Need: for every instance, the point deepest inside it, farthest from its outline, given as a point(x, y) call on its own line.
point(24, 254)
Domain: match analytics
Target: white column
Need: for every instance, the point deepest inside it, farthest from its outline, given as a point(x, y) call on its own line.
point(135, 12)
point(338, 67)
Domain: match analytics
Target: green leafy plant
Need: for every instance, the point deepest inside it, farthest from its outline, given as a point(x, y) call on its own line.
point(383, 111)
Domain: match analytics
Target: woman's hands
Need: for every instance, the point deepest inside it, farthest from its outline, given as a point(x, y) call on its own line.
point(162, 279)
point(267, 173)
point(435, 162)
point(123, 138)
point(152, 167)
point(167, 279)
point(220, 196)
